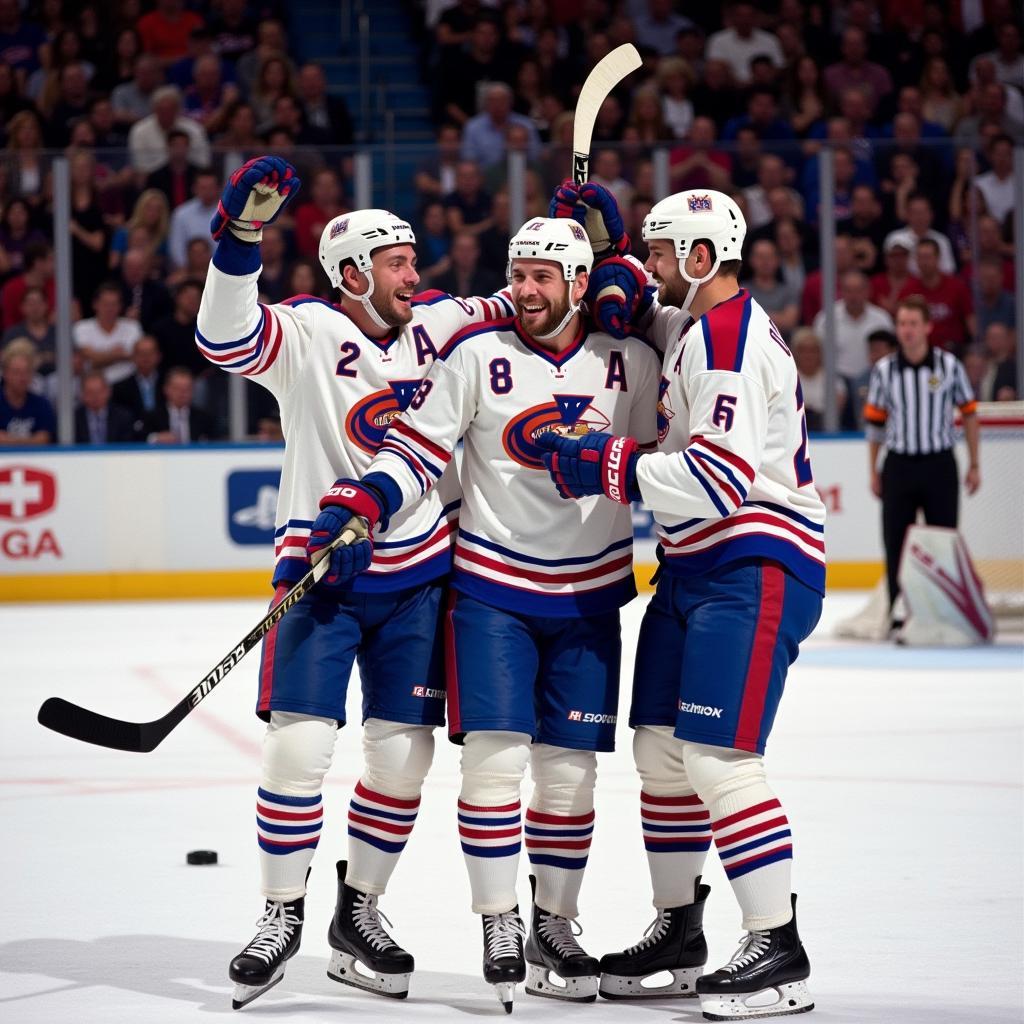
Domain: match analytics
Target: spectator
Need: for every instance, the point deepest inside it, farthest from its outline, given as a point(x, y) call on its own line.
point(433, 244)
point(941, 103)
point(950, 305)
point(142, 296)
point(932, 175)
point(97, 421)
point(16, 232)
point(992, 105)
point(483, 137)
point(657, 27)
point(699, 164)
point(177, 177)
point(118, 66)
point(273, 82)
point(896, 282)
point(854, 69)
point(176, 334)
point(326, 115)
point(271, 41)
point(789, 246)
point(209, 98)
point(772, 172)
point(855, 319)
point(192, 219)
point(200, 44)
point(72, 104)
point(482, 61)
point(989, 243)
point(38, 273)
point(494, 241)
point(304, 279)
point(865, 224)
point(881, 343)
point(311, 219)
point(88, 230)
point(780, 300)
point(273, 279)
point(20, 41)
point(44, 86)
point(1007, 57)
point(810, 300)
point(25, 169)
point(468, 207)
point(35, 325)
point(105, 340)
point(146, 228)
point(165, 31)
point(738, 44)
point(606, 170)
point(140, 392)
point(715, 95)
point(995, 303)
point(11, 100)
point(805, 101)
point(675, 80)
point(133, 100)
point(979, 372)
point(239, 141)
point(810, 365)
point(1000, 344)
point(106, 133)
point(517, 140)
point(997, 185)
point(466, 276)
point(197, 263)
point(233, 30)
point(25, 418)
point(147, 140)
point(646, 117)
point(919, 226)
point(762, 116)
point(176, 420)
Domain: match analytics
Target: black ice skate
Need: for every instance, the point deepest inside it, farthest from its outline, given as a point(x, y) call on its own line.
point(558, 967)
point(767, 977)
point(673, 942)
point(358, 938)
point(260, 966)
point(504, 961)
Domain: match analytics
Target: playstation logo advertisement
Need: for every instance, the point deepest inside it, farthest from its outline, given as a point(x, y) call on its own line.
point(252, 505)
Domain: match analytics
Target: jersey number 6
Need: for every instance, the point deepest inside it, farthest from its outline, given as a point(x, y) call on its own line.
point(723, 414)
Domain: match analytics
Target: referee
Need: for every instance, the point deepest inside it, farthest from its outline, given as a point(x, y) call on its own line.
point(910, 409)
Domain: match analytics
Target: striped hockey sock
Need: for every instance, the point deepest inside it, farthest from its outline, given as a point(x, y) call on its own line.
point(677, 835)
point(491, 842)
point(378, 829)
point(287, 830)
point(756, 848)
point(558, 846)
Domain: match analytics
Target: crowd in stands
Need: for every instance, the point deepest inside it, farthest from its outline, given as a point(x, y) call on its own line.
point(154, 103)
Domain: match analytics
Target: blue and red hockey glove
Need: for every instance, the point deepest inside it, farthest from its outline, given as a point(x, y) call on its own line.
point(595, 209)
point(618, 294)
point(592, 464)
point(254, 195)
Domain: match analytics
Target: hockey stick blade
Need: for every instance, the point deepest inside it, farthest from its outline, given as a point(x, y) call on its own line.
point(607, 73)
point(80, 723)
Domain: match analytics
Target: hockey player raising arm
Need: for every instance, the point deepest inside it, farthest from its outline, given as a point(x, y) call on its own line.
point(340, 374)
point(741, 547)
point(538, 583)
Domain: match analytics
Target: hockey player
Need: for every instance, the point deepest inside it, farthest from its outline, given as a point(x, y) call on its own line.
point(340, 374)
point(533, 621)
point(741, 583)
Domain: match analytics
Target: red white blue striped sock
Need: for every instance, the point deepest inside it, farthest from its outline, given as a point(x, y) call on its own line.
point(677, 836)
point(491, 841)
point(756, 848)
point(558, 846)
point(287, 830)
point(379, 826)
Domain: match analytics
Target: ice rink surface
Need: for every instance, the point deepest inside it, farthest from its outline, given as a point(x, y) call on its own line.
point(901, 772)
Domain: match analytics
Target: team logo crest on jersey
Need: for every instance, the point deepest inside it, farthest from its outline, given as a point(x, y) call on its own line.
point(699, 204)
point(369, 419)
point(339, 229)
point(664, 410)
point(568, 415)
point(577, 232)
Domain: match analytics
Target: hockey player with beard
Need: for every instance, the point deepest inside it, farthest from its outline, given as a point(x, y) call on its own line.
point(533, 620)
point(741, 582)
point(340, 374)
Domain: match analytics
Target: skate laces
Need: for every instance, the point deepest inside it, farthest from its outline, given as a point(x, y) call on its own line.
point(367, 919)
point(752, 946)
point(561, 933)
point(505, 933)
point(275, 929)
point(655, 930)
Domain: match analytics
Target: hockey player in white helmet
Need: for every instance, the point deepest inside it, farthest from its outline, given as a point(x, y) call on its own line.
point(537, 586)
point(742, 576)
point(340, 374)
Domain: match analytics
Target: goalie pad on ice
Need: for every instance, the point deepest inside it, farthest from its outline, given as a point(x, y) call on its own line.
point(944, 599)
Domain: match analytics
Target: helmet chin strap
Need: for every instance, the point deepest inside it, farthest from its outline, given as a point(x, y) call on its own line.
point(364, 299)
point(696, 282)
point(573, 310)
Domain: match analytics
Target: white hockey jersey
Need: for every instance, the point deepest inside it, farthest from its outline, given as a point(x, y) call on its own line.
point(520, 546)
point(338, 390)
point(732, 475)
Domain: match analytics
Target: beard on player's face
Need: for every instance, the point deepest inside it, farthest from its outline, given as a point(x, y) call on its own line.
point(392, 304)
point(540, 314)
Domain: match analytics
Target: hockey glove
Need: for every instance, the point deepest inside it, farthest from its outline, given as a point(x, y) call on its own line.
point(254, 195)
point(595, 208)
point(618, 294)
point(592, 464)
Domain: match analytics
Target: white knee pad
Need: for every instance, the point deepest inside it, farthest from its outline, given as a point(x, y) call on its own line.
point(297, 751)
point(397, 757)
point(715, 772)
point(563, 779)
point(659, 761)
point(493, 766)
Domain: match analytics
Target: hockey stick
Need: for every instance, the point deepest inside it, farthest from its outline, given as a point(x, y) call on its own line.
point(607, 74)
point(82, 724)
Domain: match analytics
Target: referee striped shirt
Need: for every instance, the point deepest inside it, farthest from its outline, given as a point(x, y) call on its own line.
point(914, 403)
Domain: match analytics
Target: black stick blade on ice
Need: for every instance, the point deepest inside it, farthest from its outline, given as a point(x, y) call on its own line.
point(141, 737)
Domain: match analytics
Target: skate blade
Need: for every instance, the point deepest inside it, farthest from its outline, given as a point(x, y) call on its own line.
point(505, 991)
point(680, 985)
point(542, 982)
point(243, 995)
point(345, 968)
point(768, 1002)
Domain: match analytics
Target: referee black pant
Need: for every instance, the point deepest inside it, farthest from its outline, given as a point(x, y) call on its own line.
point(909, 483)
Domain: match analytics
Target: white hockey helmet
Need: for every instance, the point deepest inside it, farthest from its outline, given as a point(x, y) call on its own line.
point(560, 240)
point(687, 217)
point(355, 236)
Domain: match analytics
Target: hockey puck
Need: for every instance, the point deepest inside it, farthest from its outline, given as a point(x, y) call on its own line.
point(201, 857)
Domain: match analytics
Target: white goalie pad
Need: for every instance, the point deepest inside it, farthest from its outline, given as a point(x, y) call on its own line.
point(941, 592)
